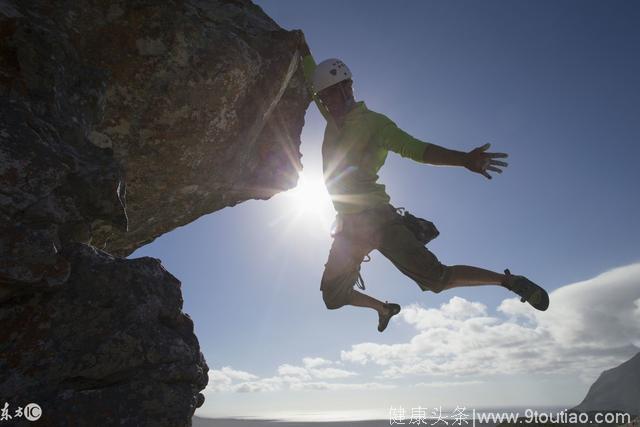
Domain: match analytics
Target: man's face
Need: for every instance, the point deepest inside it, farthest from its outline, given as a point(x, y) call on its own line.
point(338, 98)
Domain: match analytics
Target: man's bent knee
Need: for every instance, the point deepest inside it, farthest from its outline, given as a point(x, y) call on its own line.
point(335, 296)
point(440, 279)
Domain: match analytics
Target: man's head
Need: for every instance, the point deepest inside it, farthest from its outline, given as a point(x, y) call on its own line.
point(338, 98)
point(333, 84)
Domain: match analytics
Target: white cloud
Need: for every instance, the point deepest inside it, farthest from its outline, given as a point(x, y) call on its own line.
point(340, 386)
point(314, 362)
point(590, 326)
point(288, 377)
point(330, 373)
point(222, 379)
point(263, 384)
point(298, 372)
point(598, 313)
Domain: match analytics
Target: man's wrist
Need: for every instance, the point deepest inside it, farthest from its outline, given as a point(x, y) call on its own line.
point(457, 158)
point(464, 160)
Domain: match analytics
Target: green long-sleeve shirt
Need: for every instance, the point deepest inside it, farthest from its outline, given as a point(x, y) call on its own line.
point(353, 153)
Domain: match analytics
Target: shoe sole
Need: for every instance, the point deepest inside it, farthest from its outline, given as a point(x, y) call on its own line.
point(539, 299)
point(393, 313)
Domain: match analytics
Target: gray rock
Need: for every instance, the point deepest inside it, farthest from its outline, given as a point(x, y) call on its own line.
point(615, 389)
point(120, 121)
point(203, 107)
point(49, 171)
point(202, 103)
point(30, 260)
point(110, 344)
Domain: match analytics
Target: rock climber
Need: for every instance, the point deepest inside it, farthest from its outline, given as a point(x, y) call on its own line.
point(355, 146)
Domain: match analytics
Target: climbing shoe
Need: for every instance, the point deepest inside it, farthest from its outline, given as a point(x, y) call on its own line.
point(383, 319)
point(528, 291)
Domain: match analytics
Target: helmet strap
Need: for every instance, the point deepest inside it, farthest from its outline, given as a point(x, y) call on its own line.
point(345, 98)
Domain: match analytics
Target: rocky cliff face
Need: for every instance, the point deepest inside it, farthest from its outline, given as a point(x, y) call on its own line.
point(111, 344)
point(120, 121)
point(615, 389)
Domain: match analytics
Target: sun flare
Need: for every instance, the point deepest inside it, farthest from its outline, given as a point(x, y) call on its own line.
point(310, 199)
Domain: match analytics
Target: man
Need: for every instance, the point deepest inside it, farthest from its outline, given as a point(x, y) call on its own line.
point(355, 146)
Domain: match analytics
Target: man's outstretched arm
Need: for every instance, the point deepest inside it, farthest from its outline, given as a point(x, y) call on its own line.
point(476, 160)
point(395, 139)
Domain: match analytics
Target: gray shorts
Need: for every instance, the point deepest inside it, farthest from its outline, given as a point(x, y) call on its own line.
point(379, 228)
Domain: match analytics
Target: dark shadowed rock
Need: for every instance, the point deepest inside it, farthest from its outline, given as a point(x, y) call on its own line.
point(120, 121)
point(30, 260)
point(110, 344)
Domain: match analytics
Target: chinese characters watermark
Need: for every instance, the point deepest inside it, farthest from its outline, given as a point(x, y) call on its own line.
point(459, 416)
point(437, 416)
point(31, 412)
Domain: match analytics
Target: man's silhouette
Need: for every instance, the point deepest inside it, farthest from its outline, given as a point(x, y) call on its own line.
point(355, 146)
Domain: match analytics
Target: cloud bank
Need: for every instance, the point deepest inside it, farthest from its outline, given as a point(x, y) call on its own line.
point(311, 375)
point(590, 326)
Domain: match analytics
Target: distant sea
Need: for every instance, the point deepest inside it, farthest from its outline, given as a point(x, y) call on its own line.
point(307, 420)
point(235, 422)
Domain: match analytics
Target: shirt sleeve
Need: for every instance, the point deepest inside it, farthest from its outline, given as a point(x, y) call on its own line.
point(308, 67)
point(391, 137)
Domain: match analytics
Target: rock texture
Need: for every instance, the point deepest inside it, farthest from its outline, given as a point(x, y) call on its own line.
point(111, 345)
point(202, 108)
point(120, 121)
point(615, 389)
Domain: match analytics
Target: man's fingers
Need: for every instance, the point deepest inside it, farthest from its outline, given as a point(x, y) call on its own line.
point(495, 169)
point(484, 147)
point(486, 174)
point(497, 155)
point(498, 163)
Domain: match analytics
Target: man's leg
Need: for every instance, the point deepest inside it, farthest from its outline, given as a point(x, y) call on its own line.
point(340, 274)
point(413, 259)
point(465, 275)
point(359, 299)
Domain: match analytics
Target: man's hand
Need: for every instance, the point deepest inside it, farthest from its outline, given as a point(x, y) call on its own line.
point(479, 161)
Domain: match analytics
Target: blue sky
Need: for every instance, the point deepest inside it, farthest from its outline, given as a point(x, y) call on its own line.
point(554, 84)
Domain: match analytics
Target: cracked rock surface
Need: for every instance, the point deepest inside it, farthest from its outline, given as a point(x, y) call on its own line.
point(112, 345)
point(120, 121)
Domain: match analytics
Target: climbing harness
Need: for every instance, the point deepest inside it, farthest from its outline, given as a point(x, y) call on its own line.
point(360, 280)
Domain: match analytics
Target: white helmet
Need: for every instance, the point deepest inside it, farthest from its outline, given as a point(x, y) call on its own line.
point(329, 72)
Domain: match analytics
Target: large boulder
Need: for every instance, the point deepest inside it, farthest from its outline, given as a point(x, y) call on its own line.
point(120, 121)
point(201, 103)
point(111, 344)
point(203, 107)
